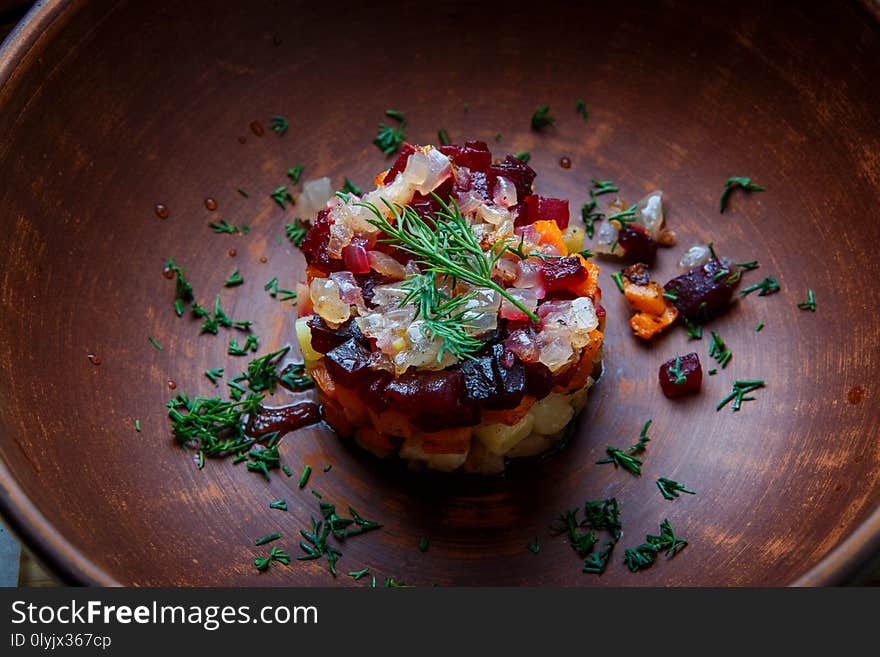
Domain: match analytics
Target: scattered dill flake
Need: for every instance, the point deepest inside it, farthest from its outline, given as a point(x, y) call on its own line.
point(581, 108)
point(243, 192)
point(670, 489)
point(719, 351)
point(603, 187)
point(737, 182)
point(276, 555)
point(671, 294)
point(423, 544)
point(388, 139)
point(328, 467)
point(541, 118)
point(296, 232)
point(272, 287)
point(626, 459)
point(214, 374)
point(599, 515)
point(278, 124)
point(534, 546)
point(287, 295)
point(316, 493)
point(759, 326)
point(263, 459)
point(524, 156)
point(223, 226)
point(294, 173)
point(137, 426)
point(357, 574)
point(643, 439)
point(590, 214)
point(183, 292)
point(443, 137)
point(304, 477)
point(810, 303)
point(281, 505)
point(620, 458)
point(466, 106)
point(680, 378)
point(748, 266)
point(155, 344)
point(286, 470)
point(267, 539)
point(738, 395)
point(262, 372)
point(350, 188)
point(234, 279)
point(316, 543)
point(644, 555)
point(295, 377)
point(618, 280)
point(624, 217)
point(498, 136)
point(282, 197)
point(768, 286)
point(250, 344)
point(694, 331)
point(712, 372)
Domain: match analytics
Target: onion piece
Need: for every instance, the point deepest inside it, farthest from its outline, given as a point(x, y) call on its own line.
point(314, 197)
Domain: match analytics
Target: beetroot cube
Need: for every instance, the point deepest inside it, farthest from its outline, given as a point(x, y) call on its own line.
point(314, 245)
point(516, 171)
point(637, 244)
point(681, 376)
point(548, 209)
point(475, 159)
point(562, 273)
point(703, 291)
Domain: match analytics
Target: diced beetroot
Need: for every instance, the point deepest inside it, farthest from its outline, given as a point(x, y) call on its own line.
point(510, 375)
point(314, 246)
point(325, 338)
point(548, 209)
point(475, 159)
point(435, 400)
point(369, 281)
point(477, 145)
point(354, 256)
point(400, 163)
point(600, 310)
point(374, 394)
point(563, 273)
point(636, 243)
point(681, 376)
point(480, 381)
point(385, 247)
point(703, 291)
point(349, 363)
point(522, 214)
point(539, 380)
point(516, 171)
point(443, 190)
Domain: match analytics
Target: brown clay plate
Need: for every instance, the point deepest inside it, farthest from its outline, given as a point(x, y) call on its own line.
point(107, 108)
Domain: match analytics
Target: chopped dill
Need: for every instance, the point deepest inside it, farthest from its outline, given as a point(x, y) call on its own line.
point(670, 489)
point(234, 279)
point(155, 344)
point(541, 118)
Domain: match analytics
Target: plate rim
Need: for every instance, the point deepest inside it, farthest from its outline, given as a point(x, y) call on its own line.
point(853, 557)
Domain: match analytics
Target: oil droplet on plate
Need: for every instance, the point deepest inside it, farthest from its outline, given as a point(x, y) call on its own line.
point(167, 272)
point(565, 163)
point(264, 259)
point(94, 359)
point(162, 211)
point(211, 204)
point(856, 395)
point(257, 128)
point(171, 384)
point(232, 253)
